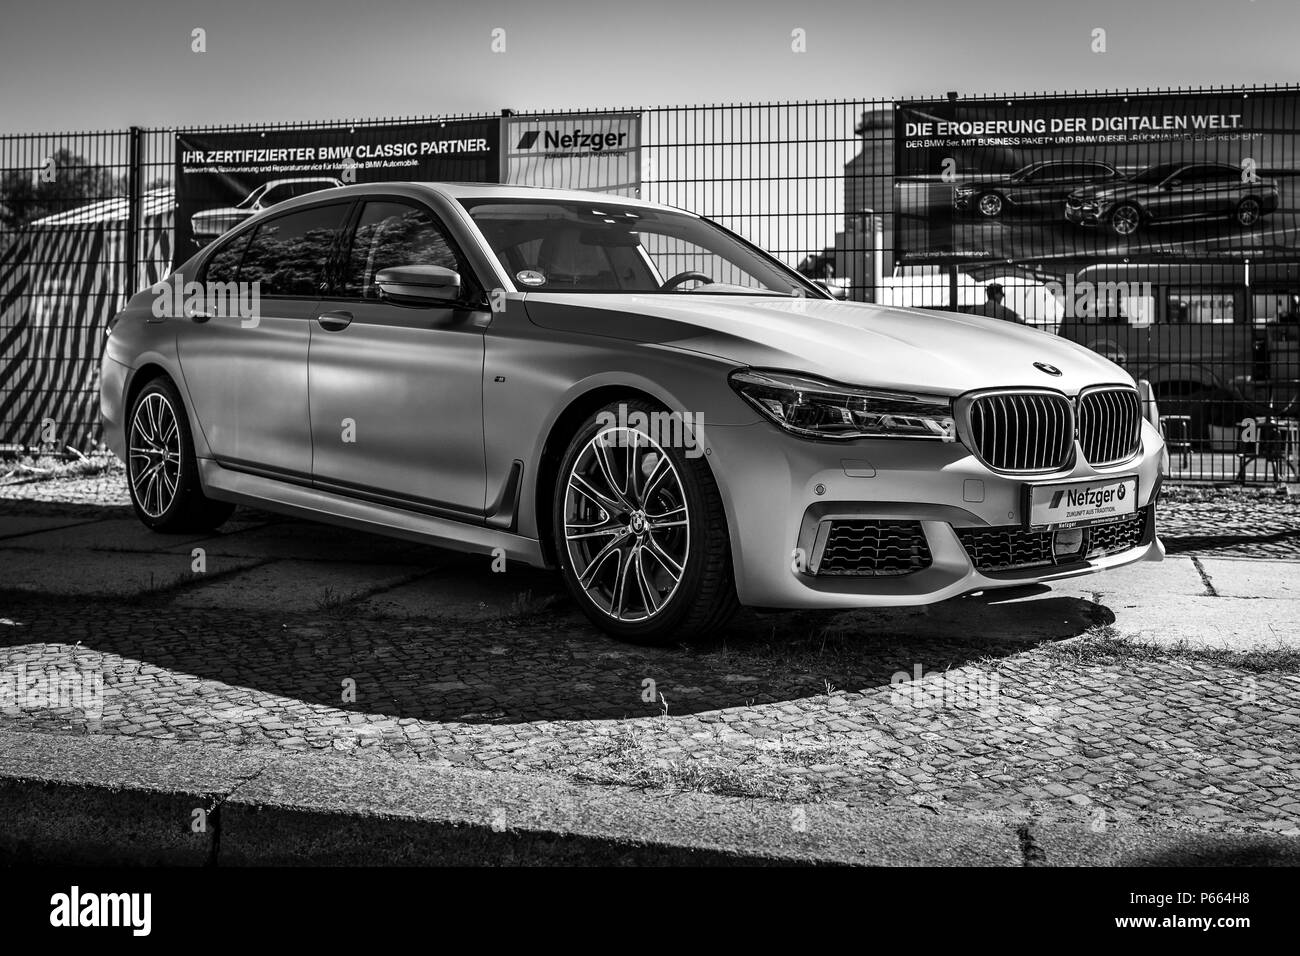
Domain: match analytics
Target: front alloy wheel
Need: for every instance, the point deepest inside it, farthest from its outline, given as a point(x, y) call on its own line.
point(1126, 220)
point(990, 205)
point(640, 532)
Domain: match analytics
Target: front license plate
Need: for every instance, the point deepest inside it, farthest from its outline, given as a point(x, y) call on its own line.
point(1076, 504)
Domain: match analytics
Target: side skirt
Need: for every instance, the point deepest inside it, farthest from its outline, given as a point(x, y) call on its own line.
point(316, 504)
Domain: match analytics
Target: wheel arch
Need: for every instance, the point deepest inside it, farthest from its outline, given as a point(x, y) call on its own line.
point(557, 442)
point(151, 369)
point(141, 377)
point(1143, 214)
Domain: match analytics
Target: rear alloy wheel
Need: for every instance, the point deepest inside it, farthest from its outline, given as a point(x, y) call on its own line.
point(162, 475)
point(1126, 220)
point(640, 532)
point(990, 205)
point(1248, 212)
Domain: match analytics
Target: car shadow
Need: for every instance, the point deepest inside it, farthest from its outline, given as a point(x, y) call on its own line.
point(455, 641)
point(548, 665)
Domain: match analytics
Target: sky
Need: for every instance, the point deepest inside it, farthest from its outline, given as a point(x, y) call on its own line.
point(105, 64)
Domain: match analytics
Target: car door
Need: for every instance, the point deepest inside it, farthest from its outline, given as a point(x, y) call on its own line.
point(246, 374)
point(1190, 194)
point(1221, 189)
point(396, 389)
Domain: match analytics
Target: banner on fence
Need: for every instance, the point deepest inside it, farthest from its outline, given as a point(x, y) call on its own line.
point(223, 178)
point(598, 151)
point(1169, 176)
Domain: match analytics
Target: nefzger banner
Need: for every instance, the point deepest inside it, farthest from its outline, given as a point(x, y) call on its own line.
point(600, 151)
point(1181, 176)
point(224, 178)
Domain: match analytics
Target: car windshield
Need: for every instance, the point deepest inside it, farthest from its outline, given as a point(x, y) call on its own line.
point(1156, 174)
point(598, 246)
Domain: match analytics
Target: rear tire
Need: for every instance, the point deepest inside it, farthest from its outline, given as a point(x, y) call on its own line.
point(640, 532)
point(162, 474)
point(1248, 212)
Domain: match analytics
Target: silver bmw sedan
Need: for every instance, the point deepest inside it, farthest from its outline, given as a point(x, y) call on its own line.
point(625, 392)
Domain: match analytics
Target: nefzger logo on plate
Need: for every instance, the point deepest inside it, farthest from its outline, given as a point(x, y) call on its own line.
point(1088, 497)
point(575, 139)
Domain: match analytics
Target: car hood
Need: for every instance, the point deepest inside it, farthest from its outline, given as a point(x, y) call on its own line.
point(847, 342)
point(997, 181)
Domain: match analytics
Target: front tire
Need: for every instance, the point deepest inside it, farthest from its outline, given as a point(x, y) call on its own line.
point(162, 474)
point(990, 205)
point(1126, 220)
point(640, 531)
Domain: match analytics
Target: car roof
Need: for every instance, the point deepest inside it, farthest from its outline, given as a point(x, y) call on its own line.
point(463, 191)
point(456, 192)
point(300, 179)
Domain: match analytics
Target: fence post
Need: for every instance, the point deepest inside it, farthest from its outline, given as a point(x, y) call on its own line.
point(954, 298)
point(133, 213)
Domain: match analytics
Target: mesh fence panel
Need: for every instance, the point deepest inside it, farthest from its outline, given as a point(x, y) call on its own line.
point(1204, 309)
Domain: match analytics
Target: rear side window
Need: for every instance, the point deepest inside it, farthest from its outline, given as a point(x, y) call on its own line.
point(287, 254)
point(395, 234)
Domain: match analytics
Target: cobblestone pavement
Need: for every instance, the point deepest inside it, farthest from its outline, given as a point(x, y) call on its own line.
point(1034, 711)
point(1242, 522)
point(790, 712)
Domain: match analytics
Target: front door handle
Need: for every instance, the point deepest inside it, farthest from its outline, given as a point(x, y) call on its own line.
point(334, 321)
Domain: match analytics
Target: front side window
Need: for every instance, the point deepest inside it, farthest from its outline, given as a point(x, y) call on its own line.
point(287, 254)
point(1154, 175)
point(224, 264)
point(395, 234)
point(1058, 174)
point(593, 246)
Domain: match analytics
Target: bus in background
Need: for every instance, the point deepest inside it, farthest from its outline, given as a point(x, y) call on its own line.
point(1219, 343)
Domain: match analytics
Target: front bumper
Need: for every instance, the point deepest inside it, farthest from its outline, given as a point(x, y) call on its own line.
point(780, 493)
point(1084, 216)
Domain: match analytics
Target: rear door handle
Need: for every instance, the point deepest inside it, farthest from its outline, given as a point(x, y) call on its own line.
point(334, 321)
point(199, 315)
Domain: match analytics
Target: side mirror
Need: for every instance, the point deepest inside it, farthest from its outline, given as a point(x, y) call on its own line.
point(418, 284)
point(1170, 184)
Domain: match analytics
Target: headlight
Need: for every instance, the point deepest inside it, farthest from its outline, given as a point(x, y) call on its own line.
point(817, 409)
point(965, 190)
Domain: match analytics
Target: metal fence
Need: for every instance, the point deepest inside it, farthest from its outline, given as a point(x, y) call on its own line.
point(1207, 313)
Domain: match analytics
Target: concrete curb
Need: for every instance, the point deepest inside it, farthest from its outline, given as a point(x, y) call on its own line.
point(111, 800)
